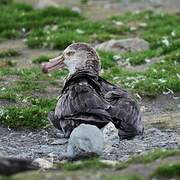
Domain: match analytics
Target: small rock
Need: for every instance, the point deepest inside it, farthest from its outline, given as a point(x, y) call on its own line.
point(76, 9)
point(59, 141)
point(2, 154)
point(124, 45)
point(109, 162)
point(42, 163)
point(45, 3)
point(156, 3)
point(110, 134)
point(85, 139)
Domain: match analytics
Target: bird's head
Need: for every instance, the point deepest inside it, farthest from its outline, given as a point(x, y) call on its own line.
point(76, 57)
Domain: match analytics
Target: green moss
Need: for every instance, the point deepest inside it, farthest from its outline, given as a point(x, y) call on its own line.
point(8, 94)
point(23, 117)
point(107, 59)
point(90, 164)
point(41, 59)
point(136, 58)
point(5, 2)
point(9, 53)
point(167, 171)
point(121, 177)
point(73, 175)
point(154, 155)
point(6, 63)
point(22, 18)
point(159, 77)
point(53, 27)
point(84, 1)
point(31, 116)
point(57, 27)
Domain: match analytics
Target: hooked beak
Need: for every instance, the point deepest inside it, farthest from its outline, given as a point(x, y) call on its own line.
point(55, 63)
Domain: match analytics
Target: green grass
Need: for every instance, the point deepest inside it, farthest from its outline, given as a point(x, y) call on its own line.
point(96, 164)
point(75, 175)
point(58, 27)
point(171, 170)
point(136, 58)
point(127, 177)
point(41, 59)
point(32, 115)
point(93, 164)
point(29, 81)
point(153, 156)
point(5, 2)
point(6, 63)
point(9, 53)
point(51, 27)
point(159, 77)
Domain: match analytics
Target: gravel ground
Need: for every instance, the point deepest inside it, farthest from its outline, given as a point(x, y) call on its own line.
point(48, 144)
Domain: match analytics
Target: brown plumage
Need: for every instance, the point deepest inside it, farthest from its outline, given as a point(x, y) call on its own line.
point(88, 98)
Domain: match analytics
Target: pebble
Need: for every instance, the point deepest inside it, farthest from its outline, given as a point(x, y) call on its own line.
point(124, 45)
point(59, 141)
point(42, 163)
point(85, 139)
point(111, 137)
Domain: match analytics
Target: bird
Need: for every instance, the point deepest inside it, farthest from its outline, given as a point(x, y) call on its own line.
point(88, 98)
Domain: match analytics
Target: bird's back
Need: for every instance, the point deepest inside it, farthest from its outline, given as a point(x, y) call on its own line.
point(124, 110)
point(92, 100)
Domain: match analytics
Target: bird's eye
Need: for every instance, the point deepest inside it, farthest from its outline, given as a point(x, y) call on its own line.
point(70, 53)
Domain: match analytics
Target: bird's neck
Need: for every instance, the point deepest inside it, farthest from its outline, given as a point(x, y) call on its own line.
point(81, 68)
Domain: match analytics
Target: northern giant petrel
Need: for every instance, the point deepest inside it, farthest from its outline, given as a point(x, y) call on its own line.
point(88, 98)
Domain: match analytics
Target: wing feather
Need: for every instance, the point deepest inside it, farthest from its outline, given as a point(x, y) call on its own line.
point(85, 101)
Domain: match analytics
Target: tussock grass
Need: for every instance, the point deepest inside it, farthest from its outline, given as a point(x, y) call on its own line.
point(130, 177)
point(32, 115)
point(41, 59)
point(9, 53)
point(154, 155)
point(91, 164)
point(171, 170)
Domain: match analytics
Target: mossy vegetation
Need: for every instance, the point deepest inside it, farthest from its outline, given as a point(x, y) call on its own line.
point(90, 164)
point(171, 170)
point(98, 169)
point(41, 59)
point(6, 63)
point(128, 177)
point(73, 175)
point(154, 155)
point(50, 27)
point(31, 115)
point(159, 77)
point(96, 163)
point(9, 53)
point(58, 27)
